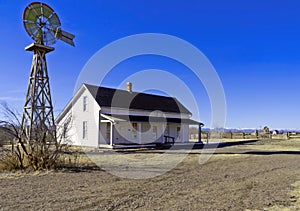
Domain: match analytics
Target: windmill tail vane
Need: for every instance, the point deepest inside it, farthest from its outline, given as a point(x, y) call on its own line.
point(65, 36)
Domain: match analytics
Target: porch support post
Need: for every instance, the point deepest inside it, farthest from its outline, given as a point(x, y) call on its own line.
point(199, 133)
point(182, 133)
point(139, 132)
point(99, 130)
point(111, 133)
point(163, 132)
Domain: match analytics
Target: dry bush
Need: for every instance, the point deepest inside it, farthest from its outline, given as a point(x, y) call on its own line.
point(39, 152)
point(9, 160)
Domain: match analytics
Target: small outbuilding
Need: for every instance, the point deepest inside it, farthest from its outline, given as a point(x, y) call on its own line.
point(106, 117)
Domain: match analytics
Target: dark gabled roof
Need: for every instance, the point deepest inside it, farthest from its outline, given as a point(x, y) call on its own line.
point(108, 97)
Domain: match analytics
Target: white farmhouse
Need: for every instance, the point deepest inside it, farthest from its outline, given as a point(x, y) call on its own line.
point(105, 117)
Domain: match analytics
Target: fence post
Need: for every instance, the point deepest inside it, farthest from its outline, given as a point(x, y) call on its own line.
point(207, 137)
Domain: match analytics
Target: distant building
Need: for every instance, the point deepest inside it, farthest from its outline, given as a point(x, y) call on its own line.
point(105, 117)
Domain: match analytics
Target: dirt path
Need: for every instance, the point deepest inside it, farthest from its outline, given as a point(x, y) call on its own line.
point(235, 178)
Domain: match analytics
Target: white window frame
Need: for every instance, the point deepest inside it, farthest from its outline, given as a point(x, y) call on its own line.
point(85, 103)
point(84, 130)
point(65, 128)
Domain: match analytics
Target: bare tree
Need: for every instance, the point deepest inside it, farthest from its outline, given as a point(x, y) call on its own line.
point(41, 150)
point(266, 129)
point(10, 123)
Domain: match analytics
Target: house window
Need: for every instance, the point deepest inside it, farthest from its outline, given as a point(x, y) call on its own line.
point(65, 128)
point(135, 129)
point(85, 103)
point(154, 129)
point(84, 130)
point(108, 130)
point(134, 125)
point(167, 129)
point(154, 132)
point(178, 132)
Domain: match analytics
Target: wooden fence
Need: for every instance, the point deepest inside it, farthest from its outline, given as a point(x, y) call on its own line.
point(242, 135)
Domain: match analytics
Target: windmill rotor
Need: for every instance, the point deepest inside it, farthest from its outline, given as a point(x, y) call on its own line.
point(43, 25)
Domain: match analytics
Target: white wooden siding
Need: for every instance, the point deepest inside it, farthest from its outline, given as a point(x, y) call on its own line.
point(91, 116)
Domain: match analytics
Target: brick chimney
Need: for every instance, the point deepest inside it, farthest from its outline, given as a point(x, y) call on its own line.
point(129, 86)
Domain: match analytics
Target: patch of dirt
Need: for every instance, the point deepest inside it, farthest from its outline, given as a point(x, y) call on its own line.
point(235, 178)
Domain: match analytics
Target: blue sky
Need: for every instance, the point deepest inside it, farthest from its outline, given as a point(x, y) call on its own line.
point(253, 45)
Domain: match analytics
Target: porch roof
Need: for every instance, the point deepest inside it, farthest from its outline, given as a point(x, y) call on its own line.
point(132, 118)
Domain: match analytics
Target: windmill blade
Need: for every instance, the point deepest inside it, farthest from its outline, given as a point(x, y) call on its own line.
point(38, 34)
point(65, 36)
point(49, 36)
point(30, 27)
point(54, 20)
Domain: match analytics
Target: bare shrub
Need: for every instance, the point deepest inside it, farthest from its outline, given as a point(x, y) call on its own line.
point(9, 161)
point(40, 151)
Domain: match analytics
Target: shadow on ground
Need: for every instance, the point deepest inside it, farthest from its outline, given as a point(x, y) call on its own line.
point(79, 169)
point(223, 145)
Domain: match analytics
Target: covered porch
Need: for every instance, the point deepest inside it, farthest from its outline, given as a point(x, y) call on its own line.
point(123, 131)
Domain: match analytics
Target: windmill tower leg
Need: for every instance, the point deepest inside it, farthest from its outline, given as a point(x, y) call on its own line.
point(38, 119)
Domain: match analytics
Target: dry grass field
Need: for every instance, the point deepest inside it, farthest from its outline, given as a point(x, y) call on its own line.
point(264, 175)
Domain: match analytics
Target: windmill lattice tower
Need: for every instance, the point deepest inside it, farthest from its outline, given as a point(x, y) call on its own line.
point(43, 26)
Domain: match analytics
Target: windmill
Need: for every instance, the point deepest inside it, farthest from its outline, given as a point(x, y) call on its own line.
point(43, 26)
